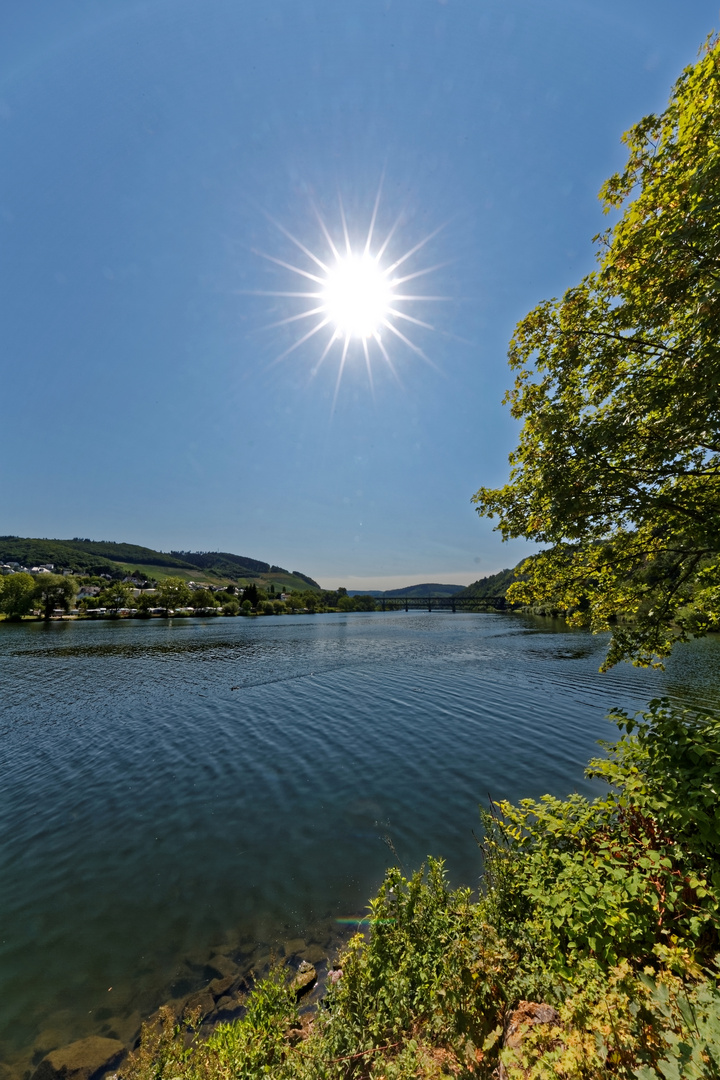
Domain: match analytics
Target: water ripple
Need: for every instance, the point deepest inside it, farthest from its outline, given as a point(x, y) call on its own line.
point(172, 785)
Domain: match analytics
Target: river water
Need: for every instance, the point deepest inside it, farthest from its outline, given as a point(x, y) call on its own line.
point(171, 788)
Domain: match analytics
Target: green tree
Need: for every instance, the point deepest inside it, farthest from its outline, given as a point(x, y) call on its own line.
point(172, 592)
point(203, 600)
point(113, 598)
point(16, 595)
point(54, 591)
point(618, 391)
point(365, 603)
point(250, 592)
point(144, 602)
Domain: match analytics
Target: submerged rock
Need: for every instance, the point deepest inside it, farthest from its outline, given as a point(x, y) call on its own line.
point(81, 1060)
point(228, 1008)
point(294, 946)
point(314, 954)
point(203, 1003)
point(221, 967)
point(220, 987)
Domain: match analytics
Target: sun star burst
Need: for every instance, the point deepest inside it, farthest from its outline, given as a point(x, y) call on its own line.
point(355, 294)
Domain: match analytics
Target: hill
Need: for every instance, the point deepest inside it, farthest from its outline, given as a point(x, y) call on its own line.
point(429, 589)
point(492, 585)
point(409, 590)
point(83, 556)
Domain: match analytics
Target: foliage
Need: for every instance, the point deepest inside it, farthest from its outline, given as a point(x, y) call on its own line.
point(426, 991)
point(635, 875)
point(203, 600)
point(250, 592)
point(114, 597)
point(492, 585)
point(430, 964)
point(251, 1047)
point(419, 992)
point(427, 988)
point(364, 603)
point(624, 1024)
point(144, 602)
point(618, 391)
point(17, 592)
point(54, 591)
point(668, 763)
point(172, 592)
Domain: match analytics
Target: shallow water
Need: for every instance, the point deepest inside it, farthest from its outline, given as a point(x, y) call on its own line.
point(172, 787)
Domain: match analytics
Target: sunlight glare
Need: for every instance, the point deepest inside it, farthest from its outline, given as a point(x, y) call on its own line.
point(357, 296)
point(352, 293)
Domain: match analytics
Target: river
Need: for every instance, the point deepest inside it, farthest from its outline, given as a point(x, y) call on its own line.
point(175, 787)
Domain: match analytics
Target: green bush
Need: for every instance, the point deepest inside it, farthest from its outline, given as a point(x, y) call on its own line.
point(633, 875)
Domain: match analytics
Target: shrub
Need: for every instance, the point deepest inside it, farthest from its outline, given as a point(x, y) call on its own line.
point(634, 875)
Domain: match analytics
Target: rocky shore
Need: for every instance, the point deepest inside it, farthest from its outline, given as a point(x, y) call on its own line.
point(211, 989)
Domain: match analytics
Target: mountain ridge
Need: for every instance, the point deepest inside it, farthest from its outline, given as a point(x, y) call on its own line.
point(85, 556)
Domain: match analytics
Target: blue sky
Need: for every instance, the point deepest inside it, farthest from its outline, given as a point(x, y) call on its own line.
point(148, 149)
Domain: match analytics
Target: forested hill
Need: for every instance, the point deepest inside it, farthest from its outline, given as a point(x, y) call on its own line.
point(429, 589)
point(84, 556)
point(493, 585)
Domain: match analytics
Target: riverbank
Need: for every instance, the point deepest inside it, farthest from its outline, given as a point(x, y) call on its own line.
point(592, 951)
point(208, 989)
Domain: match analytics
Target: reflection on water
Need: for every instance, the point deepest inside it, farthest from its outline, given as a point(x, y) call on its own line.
point(174, 788)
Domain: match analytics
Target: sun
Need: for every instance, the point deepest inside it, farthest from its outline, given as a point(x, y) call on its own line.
point(356, 293)
point(357, 296)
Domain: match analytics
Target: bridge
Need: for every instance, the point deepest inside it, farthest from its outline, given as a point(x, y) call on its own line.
point(444, 603)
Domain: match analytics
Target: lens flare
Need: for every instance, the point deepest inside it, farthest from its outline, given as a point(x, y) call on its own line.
point(357, 295)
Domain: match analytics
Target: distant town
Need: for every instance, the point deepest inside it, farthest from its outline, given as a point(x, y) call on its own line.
point(81, 578)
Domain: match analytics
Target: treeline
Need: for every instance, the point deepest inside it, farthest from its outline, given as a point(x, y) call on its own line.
point(22, 594)
point(174, 594)
point(492, 585)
